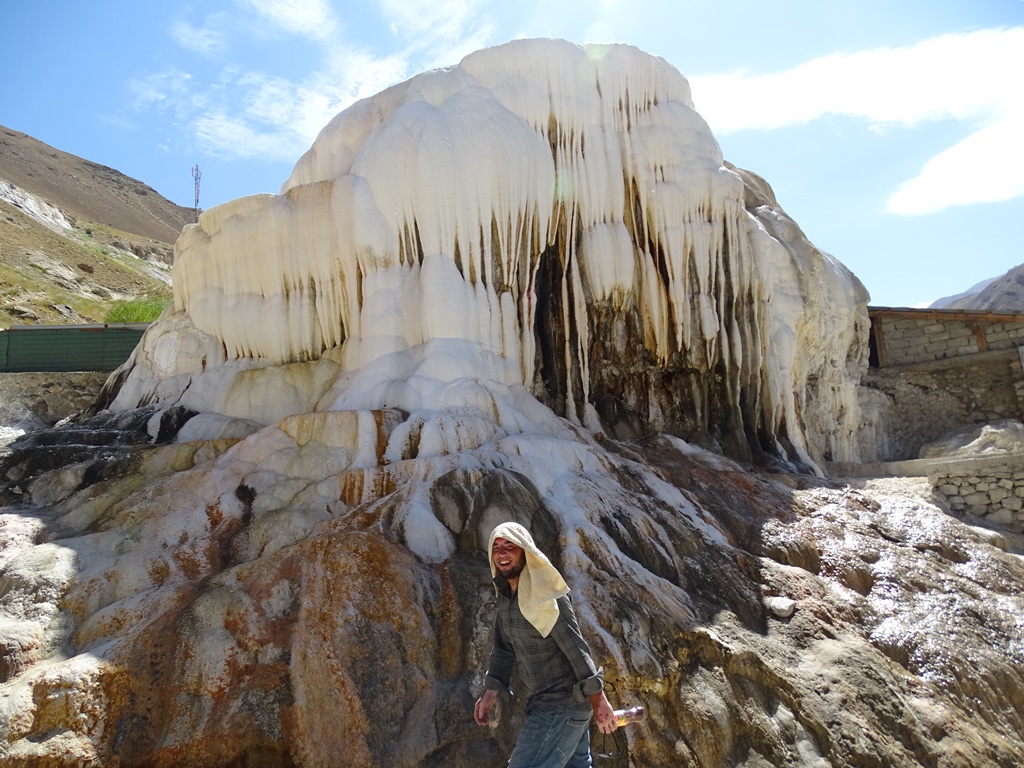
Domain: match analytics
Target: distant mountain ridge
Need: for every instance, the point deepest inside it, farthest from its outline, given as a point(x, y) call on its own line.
point(1004, 293)
point(89, 190)
point(948, 302)
point(77, 236)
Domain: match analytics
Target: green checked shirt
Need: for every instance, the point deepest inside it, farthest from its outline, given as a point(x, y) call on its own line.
point(557, 671)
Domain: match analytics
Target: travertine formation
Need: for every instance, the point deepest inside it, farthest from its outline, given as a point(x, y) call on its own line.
point(543, 215)
point(502, 291)
point(317, 594)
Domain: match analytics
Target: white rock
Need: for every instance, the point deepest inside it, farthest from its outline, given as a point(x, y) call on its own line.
point(781, 607)
point(409, 250)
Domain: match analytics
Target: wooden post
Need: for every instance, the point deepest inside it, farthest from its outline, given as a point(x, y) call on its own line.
point(879, 335)
point(979, 335)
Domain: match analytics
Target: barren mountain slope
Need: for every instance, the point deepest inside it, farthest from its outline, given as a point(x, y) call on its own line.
point(1005, 293)
point(88, 190)
point(76, 236)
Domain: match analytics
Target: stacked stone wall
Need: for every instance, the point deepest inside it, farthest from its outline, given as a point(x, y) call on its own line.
point(915, 340)
point(923, 402)
point(38, 400)
point(991, 489)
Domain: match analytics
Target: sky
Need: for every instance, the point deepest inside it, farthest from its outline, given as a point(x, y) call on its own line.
point(892, 131)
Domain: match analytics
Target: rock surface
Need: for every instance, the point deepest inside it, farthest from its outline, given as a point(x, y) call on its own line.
point(268, 550)
point(316, 594)
point(33, 401)
point(1001, 437)
point(543, 215)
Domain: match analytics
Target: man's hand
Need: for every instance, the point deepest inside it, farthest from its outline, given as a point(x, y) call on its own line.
point(484, 705)
point(604, 715)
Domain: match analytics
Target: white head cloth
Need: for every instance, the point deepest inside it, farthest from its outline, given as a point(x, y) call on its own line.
point(540, 583)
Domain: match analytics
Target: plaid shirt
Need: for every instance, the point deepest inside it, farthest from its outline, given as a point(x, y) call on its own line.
point(557, 671)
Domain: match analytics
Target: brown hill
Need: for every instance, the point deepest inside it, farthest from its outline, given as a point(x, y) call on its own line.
point(1005, 293)
point(77, 236)
point(89, 190)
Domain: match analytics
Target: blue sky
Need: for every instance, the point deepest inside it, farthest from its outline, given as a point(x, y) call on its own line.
point(891, 130)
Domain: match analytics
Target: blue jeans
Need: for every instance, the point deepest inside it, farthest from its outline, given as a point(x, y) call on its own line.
point(558, 739)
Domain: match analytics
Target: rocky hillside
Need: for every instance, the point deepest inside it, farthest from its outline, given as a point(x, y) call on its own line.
point(76, 236)
point(1004, 293)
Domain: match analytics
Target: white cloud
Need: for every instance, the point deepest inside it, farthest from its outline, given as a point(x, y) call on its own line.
point(986, 167)
point(161, 89)
point(307, 18)
point(354, 74)
point(221, 134)
point(969, 76)
point(442, 31)
point(419, 18)
point(205, 40)
point(254, 114)
point(957, 76)
point(296, 111)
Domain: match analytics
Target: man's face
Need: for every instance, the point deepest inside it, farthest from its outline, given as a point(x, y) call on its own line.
point(509, 559)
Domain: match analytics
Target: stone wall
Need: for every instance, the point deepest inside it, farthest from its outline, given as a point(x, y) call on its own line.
point(38, 400)
point(988, 488)
point(920, 403)
point(903, 336)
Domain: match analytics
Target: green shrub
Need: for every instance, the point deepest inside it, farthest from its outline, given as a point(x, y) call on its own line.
point(135, 311)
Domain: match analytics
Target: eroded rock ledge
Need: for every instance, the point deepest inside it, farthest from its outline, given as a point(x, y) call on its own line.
point(316, 592)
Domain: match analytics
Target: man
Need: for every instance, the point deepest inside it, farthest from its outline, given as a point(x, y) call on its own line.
point(535, 627)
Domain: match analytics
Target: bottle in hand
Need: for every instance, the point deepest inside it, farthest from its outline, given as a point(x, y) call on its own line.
point(627, 716)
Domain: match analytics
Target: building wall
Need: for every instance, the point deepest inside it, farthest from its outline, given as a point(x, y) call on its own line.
point(915, 404)
point(908, 339)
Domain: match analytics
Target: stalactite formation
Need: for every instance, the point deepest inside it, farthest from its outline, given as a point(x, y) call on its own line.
point(562, 210)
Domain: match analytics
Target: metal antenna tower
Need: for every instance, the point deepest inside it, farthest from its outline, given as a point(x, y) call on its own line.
point(197, 174)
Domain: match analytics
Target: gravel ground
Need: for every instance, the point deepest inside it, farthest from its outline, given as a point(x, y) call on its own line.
point(907, 487)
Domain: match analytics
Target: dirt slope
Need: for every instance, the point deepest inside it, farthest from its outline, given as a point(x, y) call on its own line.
point(88, 190)
point(76, 236)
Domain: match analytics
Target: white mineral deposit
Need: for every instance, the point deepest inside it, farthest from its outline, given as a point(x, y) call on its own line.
point(416, 244)
point(528, 288)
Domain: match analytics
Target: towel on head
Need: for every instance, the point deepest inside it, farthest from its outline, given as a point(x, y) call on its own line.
point(540, 583)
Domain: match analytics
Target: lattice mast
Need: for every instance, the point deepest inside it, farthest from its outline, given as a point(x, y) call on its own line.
point(196, 175)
